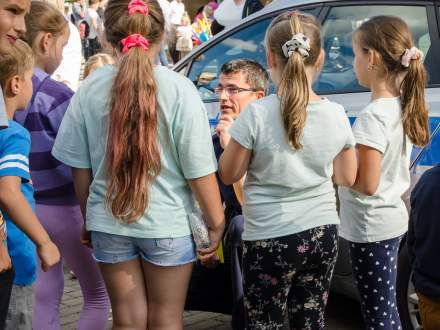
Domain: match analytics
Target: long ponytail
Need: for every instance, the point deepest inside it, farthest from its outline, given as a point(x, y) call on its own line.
point(133, 154)
point(293, 89)
point(414, 110)
point(294, 92)
point(391, 39)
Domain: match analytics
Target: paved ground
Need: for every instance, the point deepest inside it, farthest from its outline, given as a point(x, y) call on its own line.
point(343, 313)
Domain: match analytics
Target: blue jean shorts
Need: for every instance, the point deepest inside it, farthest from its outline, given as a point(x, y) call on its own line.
point(112, 249)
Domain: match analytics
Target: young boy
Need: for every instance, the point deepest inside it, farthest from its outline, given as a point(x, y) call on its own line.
point(12, 25)
point(16, 192)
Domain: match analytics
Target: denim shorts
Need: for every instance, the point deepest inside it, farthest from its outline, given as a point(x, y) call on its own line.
point(111, 249)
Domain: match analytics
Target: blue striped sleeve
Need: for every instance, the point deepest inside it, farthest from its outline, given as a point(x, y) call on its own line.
point(14, 153)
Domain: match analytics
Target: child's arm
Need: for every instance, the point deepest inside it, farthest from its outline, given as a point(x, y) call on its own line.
point(5, 260)
point(368, 174)
point(234, 162)
point(207, 194)
point(15, 204)
point(82, 179)
point(238, 189)
point(345, 168)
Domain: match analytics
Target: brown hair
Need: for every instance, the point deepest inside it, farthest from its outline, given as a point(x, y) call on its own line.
point(133, 156)
point(19, 60)
point(254, 73)
point(294, 88)
point(389, 37)
point(43, 17)
point(96, 61)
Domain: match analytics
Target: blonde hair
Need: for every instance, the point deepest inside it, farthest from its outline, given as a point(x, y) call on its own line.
point(43, 17)
point(294, 88)
point(96, 61)
point(16, 62)
point(389, 37)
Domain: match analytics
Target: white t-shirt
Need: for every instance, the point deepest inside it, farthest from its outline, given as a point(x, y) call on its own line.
point(176, 11)
point(185, 31)
point(165, 6)
point(383, 215)
point(288, 191)
point(69, 70)
point(228, 13)
point(92, 14)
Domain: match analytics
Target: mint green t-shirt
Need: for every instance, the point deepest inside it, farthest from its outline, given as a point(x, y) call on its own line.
point(288, 191)
point(185, 143)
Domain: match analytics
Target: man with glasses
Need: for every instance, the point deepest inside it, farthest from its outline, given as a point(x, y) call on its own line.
point(241, 82)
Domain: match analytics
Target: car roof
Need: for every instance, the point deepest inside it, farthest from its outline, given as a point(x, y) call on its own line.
point(279, 4)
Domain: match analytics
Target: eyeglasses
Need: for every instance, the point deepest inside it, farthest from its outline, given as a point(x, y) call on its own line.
point(231, 90)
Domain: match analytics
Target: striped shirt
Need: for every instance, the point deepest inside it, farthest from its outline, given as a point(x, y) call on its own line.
point(14, 150)
point(52, 180)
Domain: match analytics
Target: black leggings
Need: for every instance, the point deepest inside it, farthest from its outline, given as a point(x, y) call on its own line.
point(6, 281)
point(292, 271)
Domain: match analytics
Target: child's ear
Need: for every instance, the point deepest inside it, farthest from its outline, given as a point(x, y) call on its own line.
point(320, 61)
point(13, 86)
point(270, 59)
point(46, 42)
point(373, 58)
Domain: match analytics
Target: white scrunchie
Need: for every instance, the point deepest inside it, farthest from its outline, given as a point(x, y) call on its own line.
point(411, 54)
point(299, 43)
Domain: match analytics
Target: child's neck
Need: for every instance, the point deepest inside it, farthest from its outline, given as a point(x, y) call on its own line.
point(382, 89)
point(11, 107)
point(39, 65)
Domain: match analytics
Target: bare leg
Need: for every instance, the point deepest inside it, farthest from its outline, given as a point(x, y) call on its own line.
point(128, 296)
point(167, 288)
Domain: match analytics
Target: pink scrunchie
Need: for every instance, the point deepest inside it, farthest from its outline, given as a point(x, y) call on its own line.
point(411, 54)
point(137, 6)
point(134, 40)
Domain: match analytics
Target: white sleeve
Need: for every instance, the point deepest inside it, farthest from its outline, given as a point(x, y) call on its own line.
point(69, 70)
point(368, 130)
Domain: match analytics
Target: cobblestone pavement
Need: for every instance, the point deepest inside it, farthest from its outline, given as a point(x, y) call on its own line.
point(343, 313)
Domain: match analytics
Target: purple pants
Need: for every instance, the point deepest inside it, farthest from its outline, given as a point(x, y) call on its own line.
point(63, 224)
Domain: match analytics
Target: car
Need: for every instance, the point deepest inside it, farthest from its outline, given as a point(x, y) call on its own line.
point(337, 82)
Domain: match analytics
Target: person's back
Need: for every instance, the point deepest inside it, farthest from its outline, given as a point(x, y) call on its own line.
point(286, 189)
point(292, 146)
point(170, 189)
point(424, 244)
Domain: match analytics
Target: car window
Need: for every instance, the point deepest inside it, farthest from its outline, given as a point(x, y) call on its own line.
point(246, 43)
point(337, 74)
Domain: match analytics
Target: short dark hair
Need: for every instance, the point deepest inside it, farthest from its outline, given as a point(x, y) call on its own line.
point(255, 74)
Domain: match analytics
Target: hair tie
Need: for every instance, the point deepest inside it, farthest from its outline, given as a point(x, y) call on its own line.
point(411, 54)
point(134, 40)
point(137, 6)
point(299, 43)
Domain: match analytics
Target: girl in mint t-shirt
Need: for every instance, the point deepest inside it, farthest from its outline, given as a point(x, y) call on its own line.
point(373, 214)
point(291, 145)
point(138, 139)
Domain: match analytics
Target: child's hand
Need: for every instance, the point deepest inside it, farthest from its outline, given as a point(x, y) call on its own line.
point(5, 260)
point(49, 255)
point(86, 237)
point(209, 256)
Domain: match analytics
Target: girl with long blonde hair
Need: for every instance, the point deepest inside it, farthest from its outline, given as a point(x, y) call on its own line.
point(293, 145)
